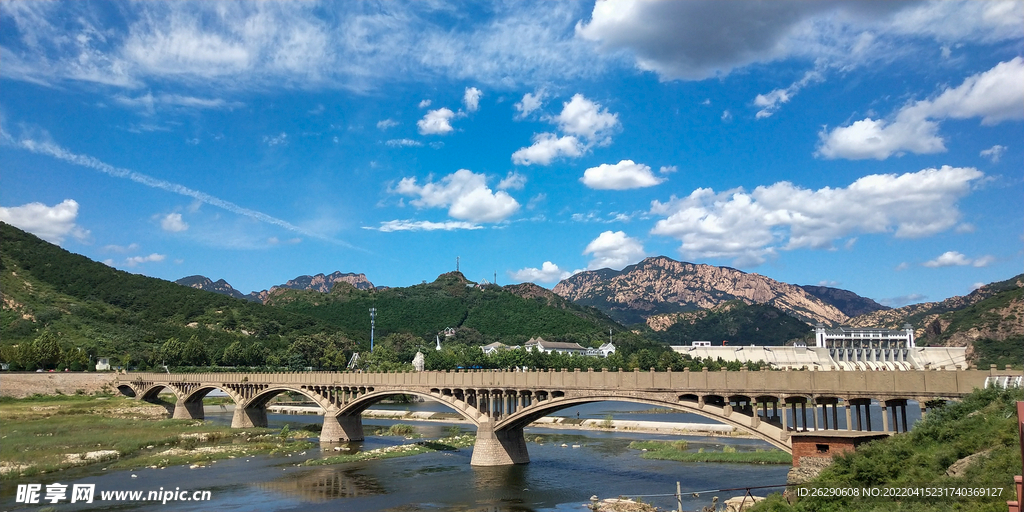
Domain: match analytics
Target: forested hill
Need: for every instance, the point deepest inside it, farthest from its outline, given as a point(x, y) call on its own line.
point(735, 322)
point(108, 312)
point(479, 313)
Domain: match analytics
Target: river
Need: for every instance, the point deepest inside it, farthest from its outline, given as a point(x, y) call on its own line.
point(567, 467)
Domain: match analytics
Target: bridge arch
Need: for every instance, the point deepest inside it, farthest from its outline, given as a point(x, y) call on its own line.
point(357, 406)
point(766, 431)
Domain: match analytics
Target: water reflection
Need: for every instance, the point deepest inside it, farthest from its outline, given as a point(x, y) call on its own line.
point(326, 484)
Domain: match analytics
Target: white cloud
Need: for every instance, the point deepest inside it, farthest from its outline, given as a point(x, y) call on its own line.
point(771, 102)
point(903, 300)
point(512, 181)
point(530, 103)
point(547, 273)
point(260, 45)
point(548, 147)
point(700, 40)
point(403, 143)
point(471, 99)
point(613, 249)
point(172, 222)
point(51, 223)
point(384, 124)
point(726, 116)
point(424, 103)
point(749, 227)
point(993, 153)
point(587, 120)
point(423, 225)
point(436, 122)
point(137, 260)
point(624, 175)
point(276, 140)
point(121, 248)
point(956, 259)
point(587, 124)
point(668, 169)
point(149, 102)
point(994, 96)
point(276, 241)
point(464, 193)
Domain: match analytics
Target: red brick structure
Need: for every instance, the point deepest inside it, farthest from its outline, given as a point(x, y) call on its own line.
point(827, 444)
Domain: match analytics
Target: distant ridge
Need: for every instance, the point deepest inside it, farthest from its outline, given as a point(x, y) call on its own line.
point(319, 282)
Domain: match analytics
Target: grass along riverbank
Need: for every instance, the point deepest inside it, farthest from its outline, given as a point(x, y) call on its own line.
point(445, 444)
point(678, 451)
point(43, 434)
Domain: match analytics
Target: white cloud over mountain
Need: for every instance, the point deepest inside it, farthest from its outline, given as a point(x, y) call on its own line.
point(51, 223)
point(614, 249)
point(749, 227)
point(547, 273)
point(957, 259)
point(464, 193)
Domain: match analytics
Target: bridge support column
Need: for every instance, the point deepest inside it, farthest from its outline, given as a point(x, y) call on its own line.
point(849, 417)
point(340, 429)
point(248, 417)
point(499, 448)
point(188, 410)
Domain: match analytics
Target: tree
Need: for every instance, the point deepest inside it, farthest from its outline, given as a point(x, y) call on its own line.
point(170, 352)
point(194, 352)
point(47, 349)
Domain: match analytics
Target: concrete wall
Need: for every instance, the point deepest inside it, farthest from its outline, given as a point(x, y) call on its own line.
point(20, 385)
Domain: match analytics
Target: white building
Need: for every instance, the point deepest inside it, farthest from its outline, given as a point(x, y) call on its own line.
point(491, 348)
point(102, 364)
point(549, 347)
point(607, 349)
point(854, 338)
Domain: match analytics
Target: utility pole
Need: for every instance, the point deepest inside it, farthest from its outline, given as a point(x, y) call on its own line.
point(373, 318)
point(456, 263)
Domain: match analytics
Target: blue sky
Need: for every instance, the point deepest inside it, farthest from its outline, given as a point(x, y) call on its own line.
point(872, 146)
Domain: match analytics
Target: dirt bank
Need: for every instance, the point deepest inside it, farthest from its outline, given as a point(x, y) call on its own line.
point(20, 385)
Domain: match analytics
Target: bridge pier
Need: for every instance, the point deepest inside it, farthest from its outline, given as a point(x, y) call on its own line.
point(499, 448)
point(340, 429)
point(248, 417)
point(188, 410)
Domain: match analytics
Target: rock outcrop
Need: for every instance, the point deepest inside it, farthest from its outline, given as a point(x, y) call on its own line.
point(662, 285)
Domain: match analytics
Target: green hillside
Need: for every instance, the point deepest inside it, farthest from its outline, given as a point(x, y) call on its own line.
point(982, 425)
point(51, 295)
point(61, 309)
point(736, 322)
point(490, 312)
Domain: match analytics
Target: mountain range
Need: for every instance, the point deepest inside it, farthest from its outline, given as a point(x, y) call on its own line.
point(320, 283)
point(660, 286)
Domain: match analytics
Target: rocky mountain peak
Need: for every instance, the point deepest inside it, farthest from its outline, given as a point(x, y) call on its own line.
point(662, 285)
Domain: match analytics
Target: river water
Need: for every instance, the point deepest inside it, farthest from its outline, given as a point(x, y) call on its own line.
point(567, 467)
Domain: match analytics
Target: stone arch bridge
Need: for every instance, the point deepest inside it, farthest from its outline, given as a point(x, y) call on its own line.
point(768, 404)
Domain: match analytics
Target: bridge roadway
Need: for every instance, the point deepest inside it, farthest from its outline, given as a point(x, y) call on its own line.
point(767, 404)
